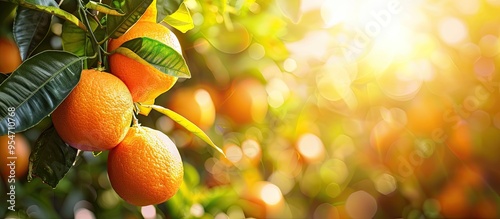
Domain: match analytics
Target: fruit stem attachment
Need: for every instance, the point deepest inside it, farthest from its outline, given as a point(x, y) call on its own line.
point(135, 121)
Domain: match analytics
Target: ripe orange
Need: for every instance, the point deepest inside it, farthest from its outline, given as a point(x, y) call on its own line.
point(97, 113)
point(145, 168)
point(22, 153)
point(245, 101)
point(144, 81)
point(195, 104)
point(10, 58)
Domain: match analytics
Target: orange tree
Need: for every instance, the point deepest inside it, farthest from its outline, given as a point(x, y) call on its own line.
point(92, 110)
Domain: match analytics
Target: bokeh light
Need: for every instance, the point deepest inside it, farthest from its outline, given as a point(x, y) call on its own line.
point(311, 147)
point(271, 194)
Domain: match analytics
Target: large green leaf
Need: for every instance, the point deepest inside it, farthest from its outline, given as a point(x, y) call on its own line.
point(163, 57)
point(118, 25)
point(36, 88)
point(49, 6)
point(30, 28)
point(51, 158)
point(186, 124)
point(181, 19)
point(166, 7)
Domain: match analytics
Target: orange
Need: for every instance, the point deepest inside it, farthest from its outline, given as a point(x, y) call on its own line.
point(195, 104)
point(245, 101)
point(146, 167)
point(145, 82)
point(10, 58)
point(150, 13)
point(97, 113)
point(460, 141)
point(20, 158)
point(454, 201)
point(264, 200)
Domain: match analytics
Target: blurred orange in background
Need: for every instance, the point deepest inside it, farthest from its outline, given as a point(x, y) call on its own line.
point(195, 104)
point(10, 58)
point(245, 101)
point(18, 148)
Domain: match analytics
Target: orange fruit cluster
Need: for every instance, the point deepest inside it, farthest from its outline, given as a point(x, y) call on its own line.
point(144, 165)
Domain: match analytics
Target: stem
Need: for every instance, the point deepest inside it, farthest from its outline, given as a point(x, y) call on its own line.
point(105, 52)
point(95, 44)
point(135, 121)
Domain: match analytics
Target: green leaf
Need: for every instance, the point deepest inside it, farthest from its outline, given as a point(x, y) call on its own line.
point(50, 7)
point(291, 9)
point(118, 25)
point(30, 28)
point(186, 124)
point(181, 19)
point(106, 9)
point(149, 51)
point(78, 42)
point(166, 7)
point(51, 158)
point(36, 88)
point(75, 40)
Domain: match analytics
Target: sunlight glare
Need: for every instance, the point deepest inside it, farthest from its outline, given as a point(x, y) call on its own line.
point(271, 194)
point(452, 30)
point(311, 147)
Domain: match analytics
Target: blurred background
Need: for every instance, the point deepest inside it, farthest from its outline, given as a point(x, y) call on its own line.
point(324, 108)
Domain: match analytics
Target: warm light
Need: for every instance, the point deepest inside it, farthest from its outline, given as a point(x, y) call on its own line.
point(468, 7)
point(202, 97)
point(484, 67)
point(148, 212)
point(277, 92)
point(164, 124)
point(251, 148)
point(490, 45)
point(256, 51)
point(385, 184)
point(290, 65)
point(270, 194)
point(233, 153)
point(404, 82)
point(197, 210)
point(361, 205)
point(336, 11)
point(311, 147)
point(452, 30)
point(83, 213)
